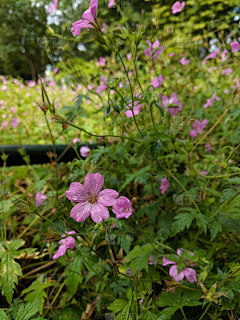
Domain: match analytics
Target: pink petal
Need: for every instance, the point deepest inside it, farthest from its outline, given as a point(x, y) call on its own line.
point(61, 251)
point(107, 197)
point(77, 192)
point(99, 212)
point(94, 183)
point(191, 274)
point(166, 261)
point(81, 211)
point(174, 273)
point(179, 251)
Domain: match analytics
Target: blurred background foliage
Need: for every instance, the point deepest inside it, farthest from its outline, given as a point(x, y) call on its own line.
point(32, 39)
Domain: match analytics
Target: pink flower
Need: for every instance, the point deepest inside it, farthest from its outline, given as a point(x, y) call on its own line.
point(184, 61)
point(56, 70)
point(223, 55)
point(13, 109)
point(136, 109)
point(52, 83)
point(76, 140)
point(212, 55)
point(209, 101)
point(39, 198)
point(85, 151)
point(68, 243)
point(171, 54)
point(102, 62)
point(111, 4)
point(157, 82)
point(215, 160)
point(204, 173)
point(54, 6)
point(208, 147)
point(227, 71)
point(164, 185)
point(79, 86)
point(4, 88)
point(150, 260)
point(198, 127)
point(173, 100)
point(28, 94)
point(31, 83)
point(88, 17)
point(102, 86)
point(129, 271)
point(226, 91)
point(122, 208)
point(129, 57)
point(4, 81)
point(177, 7)
point(150, 48)
point(91, 86)
point(141, 301)
point(189, 273)
point(103, 27)
point(91, 199)
point(235, 46)
point(15, 122)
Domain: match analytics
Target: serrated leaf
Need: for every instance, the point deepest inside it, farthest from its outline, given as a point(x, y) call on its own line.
point(221, 275)
point(202, 222)
point(227, 194)
point(3, 315)
point(124, 314)
point(140, 176)
point(150, 316)
point(138, 259)
point(27, 311)
point(72, 272)
point(167, 313)
point(9, 268)
point(214, 227)
point(180, 299)
point(36, 291)
point(117, 305)
point(182, 221)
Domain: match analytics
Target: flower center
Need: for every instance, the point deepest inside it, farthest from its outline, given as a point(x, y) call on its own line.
point(127, 209)
point(92, 199)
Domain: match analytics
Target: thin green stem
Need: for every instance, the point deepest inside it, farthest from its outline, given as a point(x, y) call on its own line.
point(94, 135)
point(50, 222)
point(131, 94)
point(55, 153)
point(194, 241)
point(183, 314)
point(209, 305)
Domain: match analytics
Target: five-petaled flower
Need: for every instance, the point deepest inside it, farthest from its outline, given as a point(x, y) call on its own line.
point(151, 48)
point(122, 208)
point(164, 185)
point(69, 242)
point(39, 198)
point(189, 273)
point(198, 128)
point(92, 201)
point(178, 6)
point(172, 101)
point(88, 18)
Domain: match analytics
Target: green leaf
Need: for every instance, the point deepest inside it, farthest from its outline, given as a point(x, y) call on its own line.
point(27, 311)
point(141, 176)
point(124, 314)
point(221, 275)
point(214, 227)
point(36, 291)
point(227, 194)
point(180, 299)
point(182, 221)
point(230, 224)
point(3, 315)
point(167, 313)
point(9, 268)
point(72, 272)
point(150, 316)
point(139, 259)
point(202, 222)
